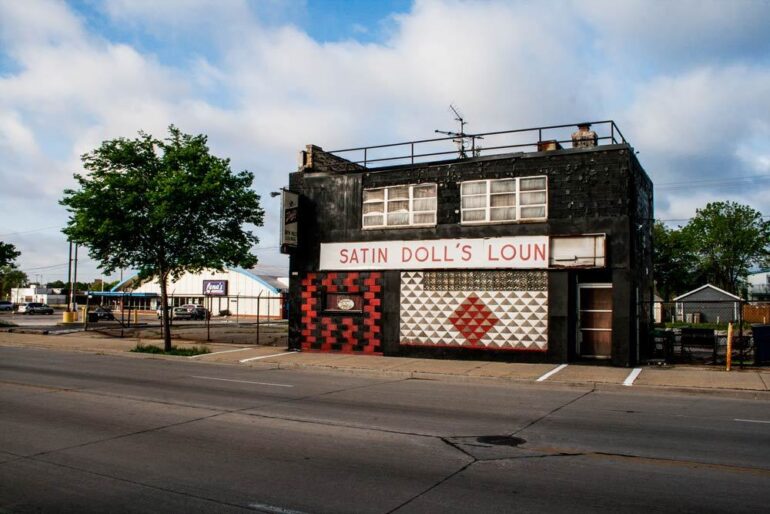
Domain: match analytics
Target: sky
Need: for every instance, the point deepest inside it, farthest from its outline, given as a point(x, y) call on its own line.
point(687, 82)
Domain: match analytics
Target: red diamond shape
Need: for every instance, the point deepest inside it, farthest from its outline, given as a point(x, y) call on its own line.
point(473, 319)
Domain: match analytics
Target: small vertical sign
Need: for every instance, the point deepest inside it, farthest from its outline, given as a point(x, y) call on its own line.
point(289, 218)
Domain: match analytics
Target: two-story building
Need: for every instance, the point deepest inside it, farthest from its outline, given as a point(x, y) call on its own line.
point(539, 255)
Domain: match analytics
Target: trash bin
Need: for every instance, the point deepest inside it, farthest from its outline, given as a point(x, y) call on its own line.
point(761, 334)
point(93, 317)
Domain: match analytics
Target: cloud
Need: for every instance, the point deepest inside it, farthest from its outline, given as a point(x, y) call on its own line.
point(688, 84)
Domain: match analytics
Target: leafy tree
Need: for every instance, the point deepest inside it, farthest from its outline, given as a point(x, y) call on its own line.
point(11, 277)
point(675, 263)
point(728, 239)
point(162, 207)
point(8, 254)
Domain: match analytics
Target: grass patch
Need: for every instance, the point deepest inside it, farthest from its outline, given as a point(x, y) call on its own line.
point(184, 352)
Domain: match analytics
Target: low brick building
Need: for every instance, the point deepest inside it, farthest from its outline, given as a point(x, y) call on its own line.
point(533, 255)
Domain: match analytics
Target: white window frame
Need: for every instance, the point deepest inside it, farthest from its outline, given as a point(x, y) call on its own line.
point(412, 212)
point(517, 192)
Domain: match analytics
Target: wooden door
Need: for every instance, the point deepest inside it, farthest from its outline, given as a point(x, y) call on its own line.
point(595, 320)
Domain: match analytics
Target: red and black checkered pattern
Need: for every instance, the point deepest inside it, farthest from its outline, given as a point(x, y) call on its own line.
point(342, 332)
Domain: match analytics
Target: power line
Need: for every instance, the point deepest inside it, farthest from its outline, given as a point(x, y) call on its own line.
point(30, 231)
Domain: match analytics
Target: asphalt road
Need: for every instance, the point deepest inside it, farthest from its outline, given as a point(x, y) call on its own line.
point(98, 433)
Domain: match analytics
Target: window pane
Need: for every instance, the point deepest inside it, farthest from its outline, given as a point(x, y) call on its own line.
point(372, 221)
point(374, 195)
point(424, 191)
point(471, 202)
point(425, 218)
point(532, 212)
point(427, 204)
point(398, 193)
point(398, 219)
point(533, 198)
point(503, 200)
point(475, 215)
point(473, 188)
point(398, 206)
point(532, 184)
point(502, 214)
point(503, 186)
point(372, 208)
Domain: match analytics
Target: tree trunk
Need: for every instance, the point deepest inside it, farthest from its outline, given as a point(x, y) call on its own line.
point(163, 279)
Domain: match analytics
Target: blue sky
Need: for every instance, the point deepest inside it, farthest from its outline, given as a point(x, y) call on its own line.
point(687, 81)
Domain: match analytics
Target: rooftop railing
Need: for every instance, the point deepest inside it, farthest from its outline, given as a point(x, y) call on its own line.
point(476, 145)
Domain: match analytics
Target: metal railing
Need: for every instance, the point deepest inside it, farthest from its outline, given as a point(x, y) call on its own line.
point(606, 131)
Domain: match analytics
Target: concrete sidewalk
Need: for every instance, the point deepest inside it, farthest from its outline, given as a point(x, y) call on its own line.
point(750, 382)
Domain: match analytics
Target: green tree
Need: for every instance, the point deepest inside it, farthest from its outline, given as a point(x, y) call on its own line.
point(728, 239)
point(11, 277)
point(8, 254)
point(162, 207)
point(674, 261)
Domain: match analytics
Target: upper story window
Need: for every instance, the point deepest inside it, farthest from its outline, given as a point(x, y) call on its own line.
point(504, 200)
point(400, 206)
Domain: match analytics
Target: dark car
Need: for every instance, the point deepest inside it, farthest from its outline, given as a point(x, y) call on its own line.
point(35, 308)
point(190, 311)
point(101, 313)
point(6, 306)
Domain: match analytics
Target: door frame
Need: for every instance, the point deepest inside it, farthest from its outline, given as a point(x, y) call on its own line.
point(579, 335)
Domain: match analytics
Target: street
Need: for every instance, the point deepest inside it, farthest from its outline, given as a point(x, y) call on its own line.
point(85, 433)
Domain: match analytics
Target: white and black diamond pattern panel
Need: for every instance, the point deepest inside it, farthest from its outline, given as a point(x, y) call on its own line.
point(481, 319)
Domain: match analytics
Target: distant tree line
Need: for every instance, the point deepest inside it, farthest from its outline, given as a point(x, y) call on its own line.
point(720, 245)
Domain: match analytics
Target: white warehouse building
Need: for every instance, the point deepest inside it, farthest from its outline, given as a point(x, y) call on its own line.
point(233, 292)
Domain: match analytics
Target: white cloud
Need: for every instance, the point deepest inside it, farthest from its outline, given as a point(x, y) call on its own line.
point(262, 89)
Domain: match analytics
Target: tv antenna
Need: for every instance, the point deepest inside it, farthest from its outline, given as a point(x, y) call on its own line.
point(460, 137)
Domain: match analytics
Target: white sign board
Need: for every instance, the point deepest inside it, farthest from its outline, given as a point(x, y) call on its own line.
point(524, 252)
point(289, 217)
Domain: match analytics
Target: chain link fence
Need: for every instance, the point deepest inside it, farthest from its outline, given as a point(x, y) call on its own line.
point(696, 331)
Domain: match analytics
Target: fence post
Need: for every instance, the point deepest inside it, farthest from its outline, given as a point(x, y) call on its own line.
point(259, 297)
point(729, 356)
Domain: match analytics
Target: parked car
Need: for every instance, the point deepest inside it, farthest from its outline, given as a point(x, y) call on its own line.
point(6, 306)
point(190, 311)
point(159, 311)
point(101, 313)
point(34, 308)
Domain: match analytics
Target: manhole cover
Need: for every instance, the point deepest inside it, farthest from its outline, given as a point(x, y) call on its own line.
point(501, 440)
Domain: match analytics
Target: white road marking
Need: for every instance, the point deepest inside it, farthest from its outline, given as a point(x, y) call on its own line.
point(217, 353)
point(264, 507)
point(752, 421)
point(629, 381)
point(243, 381)
point(552, 372)
point(266, 356)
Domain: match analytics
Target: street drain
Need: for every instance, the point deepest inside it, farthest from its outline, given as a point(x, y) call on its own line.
point(500, 440)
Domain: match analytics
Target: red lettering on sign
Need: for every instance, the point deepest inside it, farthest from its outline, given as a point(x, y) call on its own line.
point(540, 252)
point(406, 254)
point(382, 255)
point(466, 249)
point(343, 256)
point(421, 256)
point(511, 252)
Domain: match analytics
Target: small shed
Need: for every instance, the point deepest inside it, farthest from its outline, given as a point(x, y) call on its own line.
point(707, 304)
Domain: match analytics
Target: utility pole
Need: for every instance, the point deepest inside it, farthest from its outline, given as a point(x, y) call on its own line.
point(69, 280)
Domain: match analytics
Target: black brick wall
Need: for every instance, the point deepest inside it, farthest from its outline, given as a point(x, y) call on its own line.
point(599, 190)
